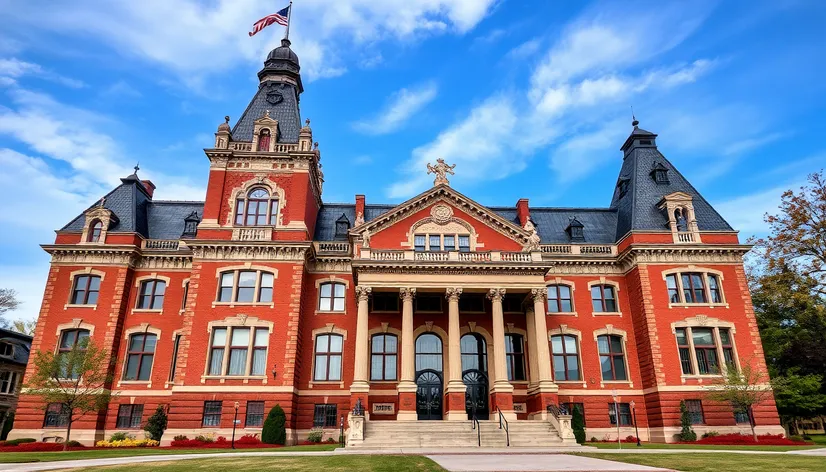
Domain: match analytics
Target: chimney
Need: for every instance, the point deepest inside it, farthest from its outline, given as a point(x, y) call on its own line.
point(359, 205)
point(149, 187)
point(522, 211)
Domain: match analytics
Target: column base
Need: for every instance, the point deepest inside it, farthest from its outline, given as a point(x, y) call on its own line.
point(501, 399)
point(407, 402)
point(538, 402)
point(455, 405)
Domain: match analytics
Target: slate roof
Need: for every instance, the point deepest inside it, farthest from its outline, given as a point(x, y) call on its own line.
point(599, 223)
point(22, 346)
point(286, 112)
point(166, 218)
point(325, 228)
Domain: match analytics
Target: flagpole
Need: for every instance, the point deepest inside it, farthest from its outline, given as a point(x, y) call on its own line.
point(289, 19)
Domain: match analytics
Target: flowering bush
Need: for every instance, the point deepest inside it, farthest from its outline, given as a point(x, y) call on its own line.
point(37, 447)
point(128, 442)
point(315, 435)
point(251, 439)
point(737, 439)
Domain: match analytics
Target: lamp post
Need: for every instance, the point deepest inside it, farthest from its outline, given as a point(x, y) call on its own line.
point(636, 428)
point(234, 424)
point(617, 418)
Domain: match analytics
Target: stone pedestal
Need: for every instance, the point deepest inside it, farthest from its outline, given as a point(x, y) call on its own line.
point(355, 435)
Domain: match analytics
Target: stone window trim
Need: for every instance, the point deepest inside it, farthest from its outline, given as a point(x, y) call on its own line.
point(384, 329)
point(76, 323)
point(610, 330)
point(239, 268)
point(570, 284)
point(326, 280)
point(185, 288)
point(703, 321)
point(143, 328)
point(238, 321)
point(564, 330)
point(276, 192)
point(612, 283)
point(175, 334)
point(442, 222)
point(330, 328)
point(84, 271)
point(695, 269)
point(139, 282)
point(97, 214)
point(684, 202)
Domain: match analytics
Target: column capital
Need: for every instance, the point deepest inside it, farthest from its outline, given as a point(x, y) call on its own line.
point(363, 292)
point(453, 293)
point(539, 294)
point(407, 293)
point(496, 294)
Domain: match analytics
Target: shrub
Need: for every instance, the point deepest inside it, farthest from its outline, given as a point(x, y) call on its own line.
point(594, 439)
point(74, 444)
point(687, 433)
point(251, 439)
point(275, 430)
point(15, 442)
point(630, 439)
point(221, 440)
point(331, 441)
point(120, 436)
point(710, 434)
point(315, 436)
point(578, 425)
point(128, 442)
point(806, 437)
point(156, 424)
point(187, 443)
point(38, 447)
point(204, 439)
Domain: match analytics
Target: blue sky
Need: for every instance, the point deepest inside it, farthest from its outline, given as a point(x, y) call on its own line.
point(531, 99)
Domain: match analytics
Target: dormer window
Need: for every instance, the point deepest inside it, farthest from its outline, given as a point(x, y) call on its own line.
point(95, 230)
point(622, 186)
point(342, 227)
point(660, 174)
point(258, 209)
point(264, 140)
point(679, 217)
point(6, 349)
point(575, 230)
point(191, 225)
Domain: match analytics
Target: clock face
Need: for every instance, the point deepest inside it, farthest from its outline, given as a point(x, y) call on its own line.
point(274, 97)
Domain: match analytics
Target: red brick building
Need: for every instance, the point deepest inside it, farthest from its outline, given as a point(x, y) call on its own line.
point(438, 308)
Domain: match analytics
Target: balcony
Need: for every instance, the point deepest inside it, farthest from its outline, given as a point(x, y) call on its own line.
point(392, 255)
point(685, 237)
point(280, 148)
point(332, 248)
point(252, 234)
point(161, 244)
point(579, 249)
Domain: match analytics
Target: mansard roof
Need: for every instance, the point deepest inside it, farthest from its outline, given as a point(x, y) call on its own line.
point(325, 228)
point(22, 346)
point(281, 99)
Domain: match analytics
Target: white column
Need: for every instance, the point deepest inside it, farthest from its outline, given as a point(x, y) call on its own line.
point(360, 383)
point(407, 383)
point(454, 353)
point(545, 381)
point(533, 339)
point(500, 380)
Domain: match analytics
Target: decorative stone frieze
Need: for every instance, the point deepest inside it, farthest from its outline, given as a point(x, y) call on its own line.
point(89, 255)
point(244, 252)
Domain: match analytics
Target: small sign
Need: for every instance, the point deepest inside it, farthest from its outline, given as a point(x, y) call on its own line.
point(384, 408)
point(237, 421)
point(520, 407)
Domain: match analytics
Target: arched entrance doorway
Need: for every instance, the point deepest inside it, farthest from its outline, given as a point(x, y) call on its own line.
point(429, 377)
point(475, 375)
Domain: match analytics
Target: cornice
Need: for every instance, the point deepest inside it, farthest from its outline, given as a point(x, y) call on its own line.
point(243, 250)
point(92, 254)
point(411, 267)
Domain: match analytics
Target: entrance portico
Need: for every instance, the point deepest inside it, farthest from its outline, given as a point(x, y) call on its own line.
point(416, 380)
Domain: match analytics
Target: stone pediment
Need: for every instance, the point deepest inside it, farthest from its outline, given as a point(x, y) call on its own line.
point(443, 215)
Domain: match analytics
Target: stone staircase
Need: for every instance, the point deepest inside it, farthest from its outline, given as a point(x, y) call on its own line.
point(457, 434)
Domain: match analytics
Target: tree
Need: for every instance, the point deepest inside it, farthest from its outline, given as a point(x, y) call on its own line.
point(8, 300)
point(743, 390)
point(275, 427)
point(578, 425)
point(24, 326)
point(798, 233)
point(798, 396)
point(687, 433)
point(156, 424)
point(78, 379)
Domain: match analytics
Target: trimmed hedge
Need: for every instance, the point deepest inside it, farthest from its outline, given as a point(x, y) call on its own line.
point(275, 427)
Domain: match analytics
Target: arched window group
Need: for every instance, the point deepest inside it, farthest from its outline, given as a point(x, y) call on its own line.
point(264, 140)
point(246, 286)
point(257, 208)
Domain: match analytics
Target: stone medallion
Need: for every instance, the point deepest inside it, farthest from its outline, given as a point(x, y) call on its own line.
point(441, 213)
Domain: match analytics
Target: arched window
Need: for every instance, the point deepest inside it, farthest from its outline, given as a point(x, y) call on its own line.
point(328, 349)
point(139, 357)
point(428, 352)
point(515, 356)
point(259, 208)
point(331, 296)
point(474, 353)
point(94, 231)
point(71, 339)
point(151, 294)
point(679, 216)
point(565, 357)
point(611, 357)
point(384, 349)
point(264, 140)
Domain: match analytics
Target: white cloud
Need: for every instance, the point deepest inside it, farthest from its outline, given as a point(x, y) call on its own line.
point(750, 144)
point(525, 50)
point(582, 153)
point(745, 213)
point(13, 69)
point(401, 107)
point(121, 89)
point(211, 37)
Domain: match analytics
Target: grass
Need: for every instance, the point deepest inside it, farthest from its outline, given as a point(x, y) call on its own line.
point(8, 457)
point(293, 464)
point(702, 446)
point(698, 462)
point(819, 439)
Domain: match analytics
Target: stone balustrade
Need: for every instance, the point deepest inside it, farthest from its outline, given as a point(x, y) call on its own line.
point(252, 234)
point(161, 244)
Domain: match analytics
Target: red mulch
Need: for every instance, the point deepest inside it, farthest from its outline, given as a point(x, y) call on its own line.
point(39, 447)
point(747, 439)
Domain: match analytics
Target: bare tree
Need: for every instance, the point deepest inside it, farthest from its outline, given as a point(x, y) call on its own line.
point(742, 389)
point(24, 326)
point(8, 300)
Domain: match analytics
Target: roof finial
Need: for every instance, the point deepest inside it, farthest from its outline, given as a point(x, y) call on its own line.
point(137, 168)
point(226, 119)
point(634, 123)
point(307, 121)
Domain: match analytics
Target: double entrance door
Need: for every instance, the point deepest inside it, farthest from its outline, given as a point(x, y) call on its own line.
point(430, 394)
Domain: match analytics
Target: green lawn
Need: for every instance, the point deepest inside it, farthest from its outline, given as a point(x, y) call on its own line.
point(139, 451)
point(819, 439)
point(698, 462)
point(701, 446)
point(293, 464)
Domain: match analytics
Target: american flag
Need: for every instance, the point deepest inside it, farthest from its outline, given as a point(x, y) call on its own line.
point(282, 18)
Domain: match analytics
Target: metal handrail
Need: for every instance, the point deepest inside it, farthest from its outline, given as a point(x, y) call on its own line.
point(503, 420)
point(555, 410)
point(475, 425)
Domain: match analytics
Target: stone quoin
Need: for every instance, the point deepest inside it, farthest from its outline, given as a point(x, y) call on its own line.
point(429, 312)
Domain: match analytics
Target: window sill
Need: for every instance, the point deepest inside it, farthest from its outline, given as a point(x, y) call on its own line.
point(135, 382)
point(562, 313)
point(603, 383)
point(224, 378)
point(607, 313)
point(234, 304)
point(70, 305)
point(696, 305)
point(338, 383)
point(384, 382)
point(330, 312)
point(385, 312)
point(146, 310)
point(700, 377)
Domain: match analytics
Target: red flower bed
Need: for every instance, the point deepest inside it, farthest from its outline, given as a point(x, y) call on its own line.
point(244, 442)
point(38, 447)
point(746, 439)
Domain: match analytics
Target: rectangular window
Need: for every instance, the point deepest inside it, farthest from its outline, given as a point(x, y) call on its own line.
point(57, 416)
point(216, 356)
point(238, 351)
point(259, 351)
point(705, 350)
point(695, 411)
point(624, 414)
point(385, 301)
point(265, 289)
point(246, 287)
point(611, 358)
point(129, 416)
point(714, 289)
point(212, 414)
point(741, 415)
point(174, 365)
point(728, 349)
point(186, 294)
point(151, 295)
point(239, 212)
point(429, 302)
point(472, 302)
point(603, 299)
point(86, 290)
point(328, 349)
point(673, 290)
point(565, 357)
point(693, 289)
point(464, 243)
point(225, 290)
point(450, 243)
point(515, 357)
point(383, 359)
point(6, 349)
point(559, 299)
point(685, 351)
point(255, 414)
point(435, 243)
point(8, 382)
point(331, 296)
point(325, 416)
point(419, 243)
point(512, 303)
